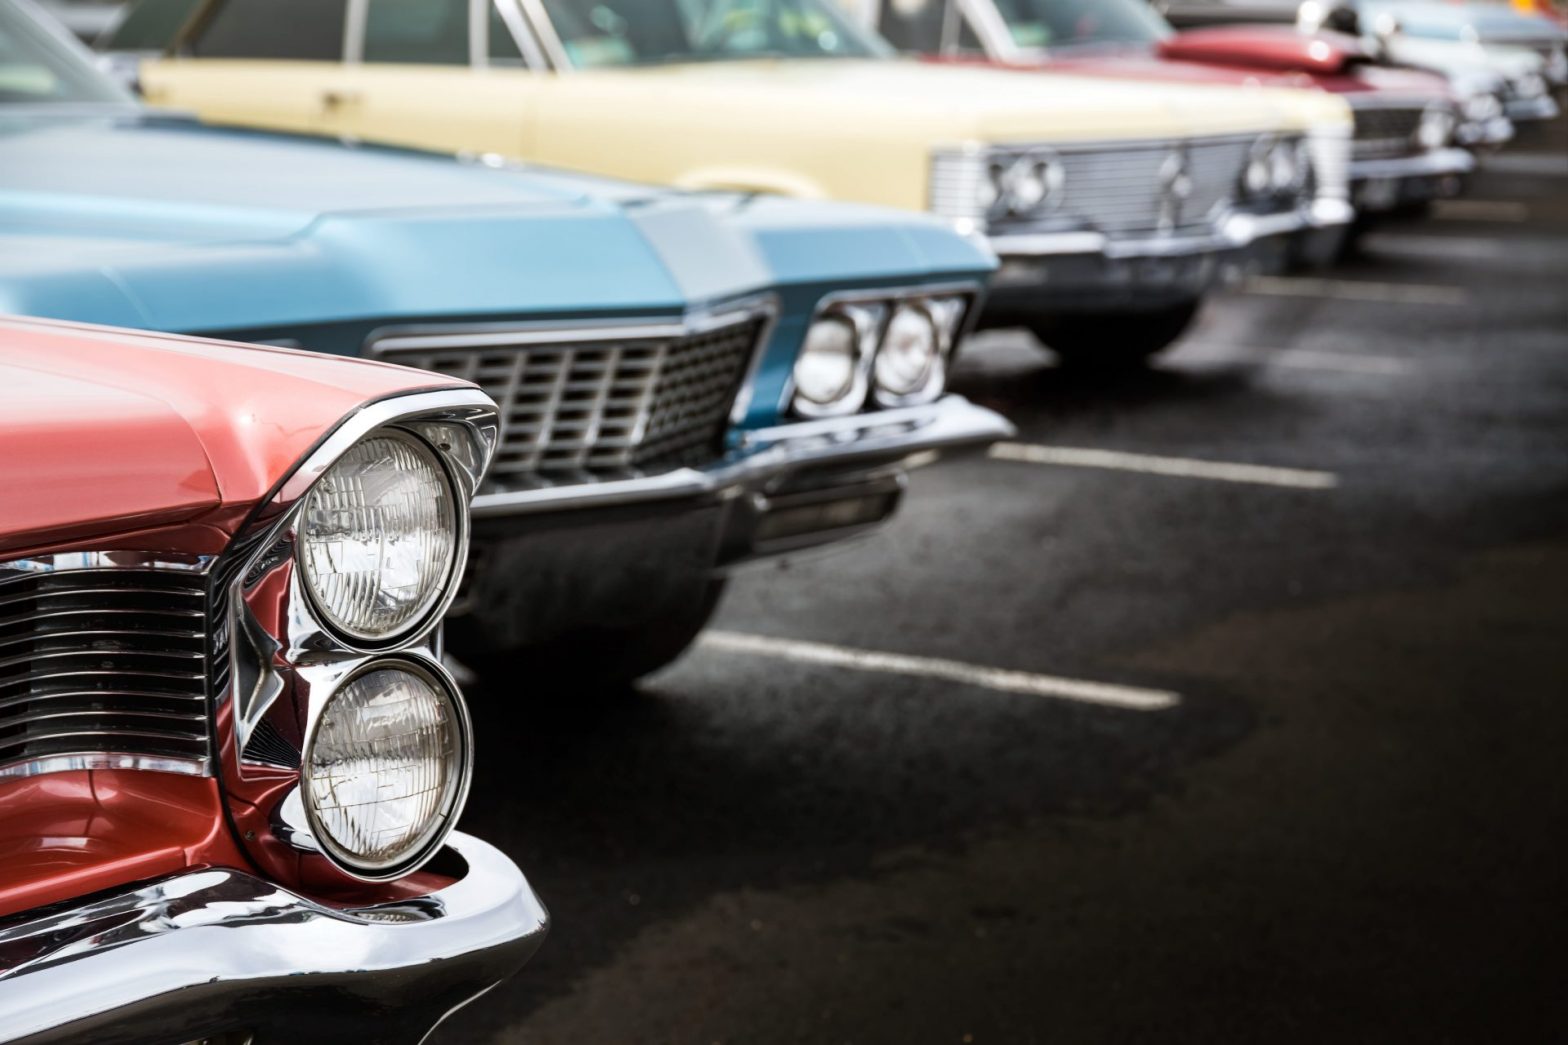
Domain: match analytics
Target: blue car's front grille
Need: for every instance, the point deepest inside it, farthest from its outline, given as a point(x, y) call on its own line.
point(586, 406)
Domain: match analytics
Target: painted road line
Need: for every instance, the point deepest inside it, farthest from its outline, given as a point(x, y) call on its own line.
point(1358, 290)
point(1129, 698)
point(1480, 210)
point(1535, 164)
point(1462, 248)
point(1339, 362)
point(1177, 467)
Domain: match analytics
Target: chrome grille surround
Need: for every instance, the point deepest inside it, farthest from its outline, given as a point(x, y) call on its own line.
point(104, 664)
point(1115, 188)
point(1384, 131)
point(595, 403)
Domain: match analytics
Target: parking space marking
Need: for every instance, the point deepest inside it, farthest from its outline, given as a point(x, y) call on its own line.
point(1480, 210)
point(1462, 248)
point(1535, 164)
point(1358, 290)
point(1128, 698)
point(1177, 467)
point(1340, 362)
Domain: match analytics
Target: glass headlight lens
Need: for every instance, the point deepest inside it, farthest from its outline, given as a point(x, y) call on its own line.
point(909, 352)
point(1482, 108)
point(378, 538)
point(386, 769)
point(1255, 179)
point(825, 373)
point(1530, 85)
point(1282, 168)
point(1435, 129)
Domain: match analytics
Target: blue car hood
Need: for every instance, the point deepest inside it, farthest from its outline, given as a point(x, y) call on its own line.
point(139, 220)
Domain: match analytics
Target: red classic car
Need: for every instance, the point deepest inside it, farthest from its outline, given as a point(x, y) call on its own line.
point(230, 757)
point(1412, 131)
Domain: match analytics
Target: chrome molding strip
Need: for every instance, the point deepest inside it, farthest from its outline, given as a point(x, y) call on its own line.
point(64, 562)
point(88, 760)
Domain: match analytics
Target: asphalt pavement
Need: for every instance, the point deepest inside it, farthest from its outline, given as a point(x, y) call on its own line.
point(1229, 703)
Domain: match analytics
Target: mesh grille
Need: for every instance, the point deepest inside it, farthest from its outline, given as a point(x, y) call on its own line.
point(103, 662)
point(1114, 189)
point(591, 410)
point(1385, 132)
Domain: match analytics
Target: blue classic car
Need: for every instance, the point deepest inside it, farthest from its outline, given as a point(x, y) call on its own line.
point(686, 380)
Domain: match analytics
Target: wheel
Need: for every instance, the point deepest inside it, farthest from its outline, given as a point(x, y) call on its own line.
point(596, 660)
point(1114, 342)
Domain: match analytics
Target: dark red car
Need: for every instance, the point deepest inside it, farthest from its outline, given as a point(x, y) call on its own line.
point(1412, 132)
point(230, 758)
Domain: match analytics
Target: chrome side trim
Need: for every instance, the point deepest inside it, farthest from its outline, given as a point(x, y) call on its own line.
point(64, 562)
point(767, 455)
point(211, 950)
point(100, 760)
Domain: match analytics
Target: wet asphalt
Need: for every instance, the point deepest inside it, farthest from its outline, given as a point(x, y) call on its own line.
point(1349, 824)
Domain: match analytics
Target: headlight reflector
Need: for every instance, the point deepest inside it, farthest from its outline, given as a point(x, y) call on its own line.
point(378, 538)
point(386, 769)
point(909, 354)
point(828, 372)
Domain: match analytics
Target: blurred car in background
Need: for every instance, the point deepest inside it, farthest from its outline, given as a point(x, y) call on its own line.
point(685, 381)
point(230, 757)
point(1440, 42)
point(1409, 127)
point(1114, 207)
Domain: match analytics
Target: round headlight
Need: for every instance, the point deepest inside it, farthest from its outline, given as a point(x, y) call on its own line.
point(1282, 169)
point(1483, 107)
point(378, 538)
point(386, 769)
point(1259, 172)
point(828, 367)
point(1530, 85)
point(909, 352)
point(1435, 129)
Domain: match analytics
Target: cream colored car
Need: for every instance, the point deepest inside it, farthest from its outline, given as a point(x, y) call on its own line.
point(1114, 206)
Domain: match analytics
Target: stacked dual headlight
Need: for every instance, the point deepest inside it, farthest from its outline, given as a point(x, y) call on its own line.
point(1436, 128)
point(337, 682)
point(387, 763)
point(886, 352)
point(1276, 169)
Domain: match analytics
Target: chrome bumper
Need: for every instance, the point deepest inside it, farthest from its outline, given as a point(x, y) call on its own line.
point(1435, 164)
point(215, 951)
point(768, 458)
point(1524, 110)
point(1233, 232)
point(1402, 181)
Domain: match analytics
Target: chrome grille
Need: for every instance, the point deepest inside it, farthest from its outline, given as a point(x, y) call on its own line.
point(1385, 131)
point(1115, 188)
point(591, 406)
point(103, 668)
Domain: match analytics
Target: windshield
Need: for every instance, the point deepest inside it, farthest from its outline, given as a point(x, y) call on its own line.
point(38, 67)
point(599, 33)
point(1044, 24)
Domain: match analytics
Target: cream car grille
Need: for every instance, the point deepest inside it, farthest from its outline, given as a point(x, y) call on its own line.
point(599, 405)
point(103, 668)
point(1117, 189)
point(1385, 131)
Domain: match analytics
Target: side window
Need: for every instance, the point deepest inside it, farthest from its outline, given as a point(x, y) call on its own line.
point(430, 32)
point(913, 25)
point(503, 46)
point(306, 30)
point(149, 25)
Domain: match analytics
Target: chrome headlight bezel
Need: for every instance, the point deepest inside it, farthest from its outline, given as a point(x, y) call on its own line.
point(285, 664)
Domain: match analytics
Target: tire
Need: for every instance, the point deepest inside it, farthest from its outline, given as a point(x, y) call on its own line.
point(596, 660)
point(1109, 343)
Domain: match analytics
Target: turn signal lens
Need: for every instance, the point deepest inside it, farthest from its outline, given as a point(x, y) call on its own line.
point(386, 770)
point(378, 537)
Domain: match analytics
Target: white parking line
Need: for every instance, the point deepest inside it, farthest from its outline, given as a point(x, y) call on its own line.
point(1343, 362)
point(1178, 467)
point(1480, 210)
point(1129, 698)
point(1358, 290)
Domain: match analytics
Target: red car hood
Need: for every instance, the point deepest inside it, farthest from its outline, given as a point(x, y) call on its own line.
point(1266, 47)
point(110, 432)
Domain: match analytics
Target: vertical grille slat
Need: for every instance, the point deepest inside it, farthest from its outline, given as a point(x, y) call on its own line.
point(598, 408)
point(103, 665)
